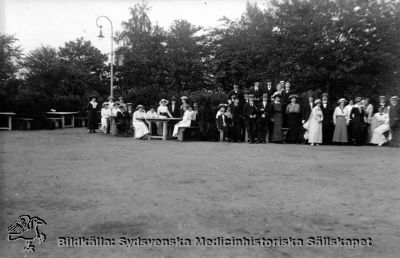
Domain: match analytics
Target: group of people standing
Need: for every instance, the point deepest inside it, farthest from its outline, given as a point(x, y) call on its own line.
point(270, 114)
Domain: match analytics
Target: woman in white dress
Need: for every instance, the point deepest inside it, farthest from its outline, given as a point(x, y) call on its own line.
point(185, 122)
point(340, 120)
point(105, 116)
point(140, 127)
point(315, 129)
point(162, 112)
point(382, 120)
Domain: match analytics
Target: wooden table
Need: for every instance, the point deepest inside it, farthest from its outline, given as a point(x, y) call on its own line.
point(165, 126)
point(9, 115)
point(63, 115)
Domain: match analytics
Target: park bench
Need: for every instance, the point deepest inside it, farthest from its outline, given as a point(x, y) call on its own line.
point(56, 121)
point(182, 130)
point(26, 122)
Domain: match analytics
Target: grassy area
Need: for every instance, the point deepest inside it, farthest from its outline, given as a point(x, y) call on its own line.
point(86, 185)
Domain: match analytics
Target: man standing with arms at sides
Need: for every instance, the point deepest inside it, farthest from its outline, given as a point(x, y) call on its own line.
point(327, 123)
point(250, 111)
point(237, 115)
point(263, 120)
point(394, 121)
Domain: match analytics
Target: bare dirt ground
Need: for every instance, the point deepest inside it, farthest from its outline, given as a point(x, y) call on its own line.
point(97, 185)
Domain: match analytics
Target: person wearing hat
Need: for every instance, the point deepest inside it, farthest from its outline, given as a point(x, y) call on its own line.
point(105, 117)
point(184, 106)
point(162, 112)
point(269, 89)
point(140, 127)
point(222, 121)
point(394, 121)
point(236, 91)
point(152, 114)
point(263, 120)
point(237, 123)
point(186, 120)
point(250, 111)
point(246, 96)
point(293, 120)
point(327, 123)
point(340, 120)
point(286, 93)
point(357, 122)
point(257, 91)
point(382, 102)
point(315, 132)
point(277, 117)
point(92, 117)
point(111, 102)
point(122, 120)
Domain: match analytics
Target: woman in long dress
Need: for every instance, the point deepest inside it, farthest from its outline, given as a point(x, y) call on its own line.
point(277, 110)
point(315, 129)
point(185, 122)
point(92, 115)
point(140, 127)
point(382, 122)
point(293, 119)
point(105, 116)
point(340, 120)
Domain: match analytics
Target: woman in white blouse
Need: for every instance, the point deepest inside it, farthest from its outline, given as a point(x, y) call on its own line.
point(340, 120)
point(141, 129)
point(185, 122)
point(162, 112)
point(378, 135)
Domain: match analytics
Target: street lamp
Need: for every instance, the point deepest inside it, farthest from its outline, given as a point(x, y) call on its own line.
point(112, 49)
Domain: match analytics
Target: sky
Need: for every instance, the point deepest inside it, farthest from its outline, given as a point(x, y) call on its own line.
point(54, 22)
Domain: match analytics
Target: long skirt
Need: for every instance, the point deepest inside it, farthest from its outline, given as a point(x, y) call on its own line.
point(340, 134)
point(293, 123)
point(178, 125)
point(104, 124)
point(277, 135)
point(92, 119)
point(378, 136)
point(140, 129)
point(315, 132)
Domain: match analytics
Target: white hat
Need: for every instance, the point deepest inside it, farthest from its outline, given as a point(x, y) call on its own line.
point(184, 97)
point(342, 100)
point(317, 101)
point(164, 100)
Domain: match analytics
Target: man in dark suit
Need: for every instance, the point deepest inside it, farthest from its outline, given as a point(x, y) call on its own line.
point(269, 89)
point(174, 108)
point(382, 103)
point(286, 93)
point(236, 92)
point(250, 112)
point(327, 122)
point(394, 121)
point(263, 119)
point(257, 91)
point(237, 113)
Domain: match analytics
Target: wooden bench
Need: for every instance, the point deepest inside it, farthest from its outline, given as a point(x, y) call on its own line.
point(182, 130)
point(81, 121)
point(55, 120)
point(27, 122)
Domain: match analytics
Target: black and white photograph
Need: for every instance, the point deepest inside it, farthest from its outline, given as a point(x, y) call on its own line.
point(200, 128)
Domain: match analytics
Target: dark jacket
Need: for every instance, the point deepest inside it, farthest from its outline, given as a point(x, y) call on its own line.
point(176, 112)
point(257, 93)
point(394, 116)
point(306, 111)
point(327, 113)
point(264, 110)
point(237, 113)
point(248, 111)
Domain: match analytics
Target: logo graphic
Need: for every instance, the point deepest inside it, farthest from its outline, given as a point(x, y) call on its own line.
point(27, 229)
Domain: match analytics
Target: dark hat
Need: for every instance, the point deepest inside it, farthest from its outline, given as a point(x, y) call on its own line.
point(382, 97)
point(93, 97)
point(265, 95)
point(268, 80)
point(139, 106)
point(325, 95)
point(246, 91)
point(173, 98)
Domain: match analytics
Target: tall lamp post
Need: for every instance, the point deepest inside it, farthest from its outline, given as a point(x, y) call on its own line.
point(112, 49)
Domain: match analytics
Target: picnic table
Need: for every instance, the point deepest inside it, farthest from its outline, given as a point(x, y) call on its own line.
point(63, 115)
point(165, 126)
point(9, 115)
